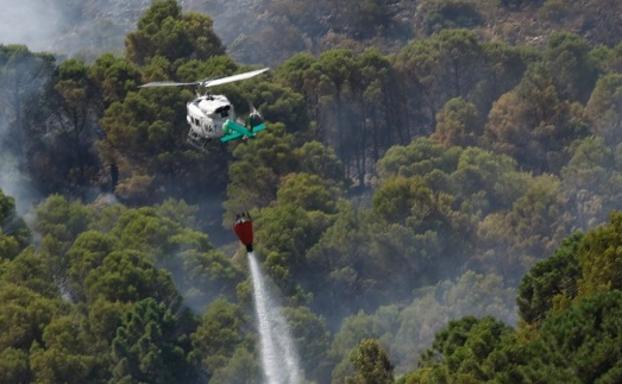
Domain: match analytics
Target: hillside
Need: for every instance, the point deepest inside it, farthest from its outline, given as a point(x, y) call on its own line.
point(269, 31)
point(431, 204)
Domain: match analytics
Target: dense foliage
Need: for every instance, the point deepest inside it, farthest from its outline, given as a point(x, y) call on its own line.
point(430, 215)
point(573, 337)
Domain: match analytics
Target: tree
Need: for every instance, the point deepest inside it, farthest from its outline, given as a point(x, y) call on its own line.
point(333, 73)
point(550, 281)
point(446, 14)
point(458, 124)
point(599, 257)
point(14, 234)
point(468, 295)
point(353, 257)
point(312, 339)
point(164, 31)
point(445, 66)
point(591, 179)
point(378, 120)
point(219, 335)
point(287, 231)
point(607, 59)
point(61, 219)
point(59, 222)
point(296, 73)
point(567, 58)
point(151, 345)
point(212, 67)
point(604, 108)
point(148, 230)
point(463, 350)
point(115, 77)
point(23, 316)
point(30, 269)
point(504, 68)
point(205, 276)
point(358, 16)
point(371, 364)
point(128, 276)
point(585, 339)
point(242, 368)
point(277, 103)
point(67, 354)
point(474, 350)
point(355, 102)
point(532, 229)
point(316, 158)
point(14, 366)
point(254, 175)
point(354, 329)
point(485, 182)
point(399, 198)
point(421, 157)
point(478, 181)
point(87, 253)
point(308, 191)
point(532, 124)
point(104, 318)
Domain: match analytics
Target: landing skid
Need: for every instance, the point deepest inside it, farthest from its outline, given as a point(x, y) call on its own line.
point(197, 141)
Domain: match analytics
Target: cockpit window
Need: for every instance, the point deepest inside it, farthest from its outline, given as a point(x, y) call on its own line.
point(223, 111)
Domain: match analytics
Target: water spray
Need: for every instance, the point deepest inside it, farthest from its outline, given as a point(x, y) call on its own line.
point(279, 358)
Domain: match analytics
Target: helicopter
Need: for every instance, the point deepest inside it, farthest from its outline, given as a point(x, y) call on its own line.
point(213, 116)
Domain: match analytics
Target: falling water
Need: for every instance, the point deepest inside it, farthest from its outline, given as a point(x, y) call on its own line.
point(278, 354)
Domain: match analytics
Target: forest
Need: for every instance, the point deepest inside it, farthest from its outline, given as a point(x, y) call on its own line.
point(436, 197)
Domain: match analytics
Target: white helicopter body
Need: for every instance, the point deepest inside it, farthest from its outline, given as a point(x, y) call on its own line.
point(207, 114)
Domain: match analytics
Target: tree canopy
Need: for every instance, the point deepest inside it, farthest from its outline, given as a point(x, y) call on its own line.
point(435, 197)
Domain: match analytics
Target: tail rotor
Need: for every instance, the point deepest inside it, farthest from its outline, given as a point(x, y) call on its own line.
point(254, 117)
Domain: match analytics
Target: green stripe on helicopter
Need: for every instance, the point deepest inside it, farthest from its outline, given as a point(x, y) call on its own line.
point(235, 131)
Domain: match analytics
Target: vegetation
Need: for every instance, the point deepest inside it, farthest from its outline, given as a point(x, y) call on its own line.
point(445, 212)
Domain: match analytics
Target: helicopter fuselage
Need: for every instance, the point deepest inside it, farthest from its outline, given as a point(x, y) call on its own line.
point(207, 115)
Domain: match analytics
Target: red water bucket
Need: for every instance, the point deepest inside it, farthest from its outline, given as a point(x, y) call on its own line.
point(243, 228)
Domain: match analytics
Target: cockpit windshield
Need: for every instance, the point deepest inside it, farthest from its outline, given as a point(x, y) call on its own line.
point(223, 111)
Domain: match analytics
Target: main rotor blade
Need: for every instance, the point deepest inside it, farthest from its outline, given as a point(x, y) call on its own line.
point(231, 79)
point(206, 83)
point(154, 84)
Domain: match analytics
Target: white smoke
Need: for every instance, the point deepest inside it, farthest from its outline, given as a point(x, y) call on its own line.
point(84, 28)
point(35, 23)
point(17, 185)
point(13, 182)
point(88, 28)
